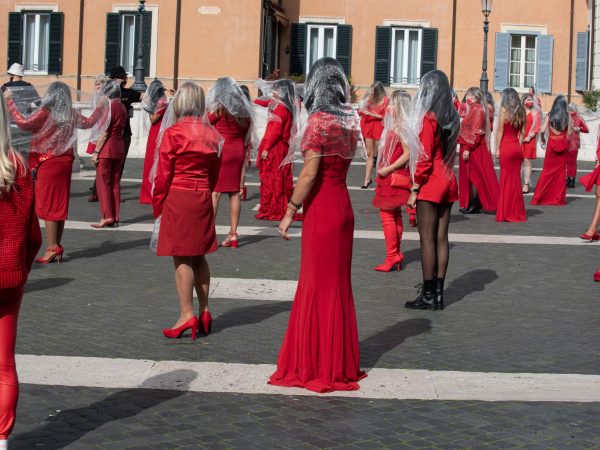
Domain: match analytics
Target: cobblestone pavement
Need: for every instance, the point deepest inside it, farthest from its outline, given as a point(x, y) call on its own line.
point(512, 308)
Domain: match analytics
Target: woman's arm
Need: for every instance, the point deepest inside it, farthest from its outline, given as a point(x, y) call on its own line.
point(583, 128)
point(164, 172)
point(499, 133)
point(98, 149)
point(32, 123)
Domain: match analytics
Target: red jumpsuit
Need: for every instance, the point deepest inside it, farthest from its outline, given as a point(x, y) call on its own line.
point(110, 161)
point(187, 171)
point(575, 143)
point(551, 188)
point(438, 182)
point(20, 240)
point(372, 127)
point(146, 189)
point(276, 182)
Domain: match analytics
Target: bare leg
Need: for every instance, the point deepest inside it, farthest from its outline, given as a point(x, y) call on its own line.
point(443, 247)
point(235, 204)
point(596, 218)
point(52, 230)
point(184, 281)
point(61, 229)
point(201, 280)
point(216, 197)
point(526, 171)
point(369, 143)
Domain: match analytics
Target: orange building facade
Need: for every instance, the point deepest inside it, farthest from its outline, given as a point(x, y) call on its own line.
point(545, 43)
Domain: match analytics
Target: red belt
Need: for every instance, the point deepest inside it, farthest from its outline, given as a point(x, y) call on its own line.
point(191, 185)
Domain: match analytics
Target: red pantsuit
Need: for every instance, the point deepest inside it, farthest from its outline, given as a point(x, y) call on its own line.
point(20, 240)
point(187, 171)
point(438, 182)
point(574, 145)
point(276, 182)
point(146, 188)
point(372, 127)
point(110, 161)
point(551, 188)
point(480, 172)
point(511, 205)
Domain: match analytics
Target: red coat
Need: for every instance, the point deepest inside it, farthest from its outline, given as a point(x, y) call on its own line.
point(114, 147)
point(575, 140)
point(20, 237)
point(438, 183)
point(45, 134)
point(188, 159)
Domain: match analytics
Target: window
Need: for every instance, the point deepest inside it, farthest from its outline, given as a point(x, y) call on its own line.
point(122, 36)
point(128, 42)
point(406, 56)
point(522, 61)
point(36, 41)
point(321, 43)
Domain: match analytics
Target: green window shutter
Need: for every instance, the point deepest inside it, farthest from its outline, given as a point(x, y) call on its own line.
point(344, 47)
point(543, 74)
point(581, 64)
point(113, 41)
point(383, 54)
point(429, 50)
point(15, 38)
point(298, 49)
point(55, 50)
point(501, 61)
point(146, 40)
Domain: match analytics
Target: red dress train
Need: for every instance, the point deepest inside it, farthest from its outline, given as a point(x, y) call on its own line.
point(511, 205)
point(551, 188)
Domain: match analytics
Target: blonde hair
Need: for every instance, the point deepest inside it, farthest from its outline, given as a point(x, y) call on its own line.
point(189, 101)
point(101, 79)
point(9, 159)
point(401, 102)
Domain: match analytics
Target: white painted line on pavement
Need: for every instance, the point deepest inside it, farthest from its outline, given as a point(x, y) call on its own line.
point(236, 378)
point(358, 234)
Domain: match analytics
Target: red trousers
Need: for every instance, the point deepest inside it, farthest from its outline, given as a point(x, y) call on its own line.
point(108, 186)
point(572, 163)
point(10, 302)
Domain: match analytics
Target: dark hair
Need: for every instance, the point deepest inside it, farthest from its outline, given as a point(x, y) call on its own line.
point(246, 91)
point(285, 91)
point(514, 109)
point(326, 87)
point(476, 93)
point(559, 114)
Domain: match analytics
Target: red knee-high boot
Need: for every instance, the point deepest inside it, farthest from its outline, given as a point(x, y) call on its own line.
point(392, 257)
point(399, 230)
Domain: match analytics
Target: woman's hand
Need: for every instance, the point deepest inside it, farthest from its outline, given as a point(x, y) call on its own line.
point(412, 200)
point(285, 223)
point(264, 154)
point(95, 158)
point(7, 94)
point(385, 171)
point(465, 155)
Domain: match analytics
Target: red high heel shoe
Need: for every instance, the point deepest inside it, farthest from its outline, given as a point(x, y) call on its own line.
point(205, 322)
point(592, 238)
point(412, 220)
point(57, 255)
point(389, 264)
point(244, 193)
point(230, 241)
point(175, 333)
point(108, 223)
point(597, 277)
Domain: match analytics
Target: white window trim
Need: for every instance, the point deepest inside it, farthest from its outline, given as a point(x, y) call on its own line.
point(36, 7)
point(405, 62)
point(328, 20)
point(36, 44)
point(153, 36)
point(515, 29)
point(321, 29)
point(401, 23)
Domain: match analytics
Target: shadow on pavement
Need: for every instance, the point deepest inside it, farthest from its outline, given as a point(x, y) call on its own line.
point(107, 247)
point(377, 345)
point(249, 315)
point(67, 427)
point(46, 283)
point(474, 281)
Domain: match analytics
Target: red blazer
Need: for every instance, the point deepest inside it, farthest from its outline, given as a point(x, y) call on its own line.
point(45, 134)
point(472, 128)
point(188, 159)
point(278, 129)
point(575, 137)
point(114, 147)
point(20, 237)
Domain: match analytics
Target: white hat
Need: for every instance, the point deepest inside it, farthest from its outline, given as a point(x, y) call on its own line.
point(17, 70)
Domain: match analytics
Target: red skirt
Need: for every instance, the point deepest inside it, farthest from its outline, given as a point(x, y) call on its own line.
point(441, 187)
point(187, 225)
point(53, 187)
point(233, 156)
point(530, 149)
point(388, 196)
point(591, 179)
point(371, 128)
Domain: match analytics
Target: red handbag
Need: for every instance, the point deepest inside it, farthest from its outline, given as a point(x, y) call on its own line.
point(400, 181)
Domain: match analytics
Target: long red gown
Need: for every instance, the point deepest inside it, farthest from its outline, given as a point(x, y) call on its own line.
point(480, 167)
point(592, 179)
point(320, 350)
point(511, 205)
point(233, 153)
point(276, 182)
point(146, 189)
point(551, 188)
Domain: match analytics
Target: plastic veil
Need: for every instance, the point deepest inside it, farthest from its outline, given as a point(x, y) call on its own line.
point(332, 124)
point(152, 96)
point(397, 129)
point(65, 118)
point(476, 121)
point(280, 92)
point(435, 97)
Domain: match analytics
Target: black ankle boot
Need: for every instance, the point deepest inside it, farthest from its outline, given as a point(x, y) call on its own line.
point(439, 294)
point(474, 206)
point(426, 298)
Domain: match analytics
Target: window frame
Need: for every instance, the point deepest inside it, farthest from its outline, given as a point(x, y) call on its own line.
point(406, 31)
point(321, 39)
point(523, 87)
point(37, 14)
point(122, 15)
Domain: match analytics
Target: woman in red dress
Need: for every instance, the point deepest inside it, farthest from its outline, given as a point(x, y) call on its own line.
point(186, 174)
point(481, 188)
point(372, 111)
point(551, 188)
point(589, 181)
point(155, 103)
point(51, 156)
point(231, 114)
point(108, 159)
point(533, 124)
point(20, 240)
point(99, 82)
point(579, 126)
point(393, 180)
point(509, 137)
point(434, 189)
point(276, 182)
point(320, 349)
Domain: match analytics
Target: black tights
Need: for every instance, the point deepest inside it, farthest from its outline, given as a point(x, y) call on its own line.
point(433, 220)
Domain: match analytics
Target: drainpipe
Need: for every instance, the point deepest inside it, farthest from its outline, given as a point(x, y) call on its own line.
point(453, 43)
point(176, 52)
point(592, 47)
point(570, 51)
point(80, 45)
